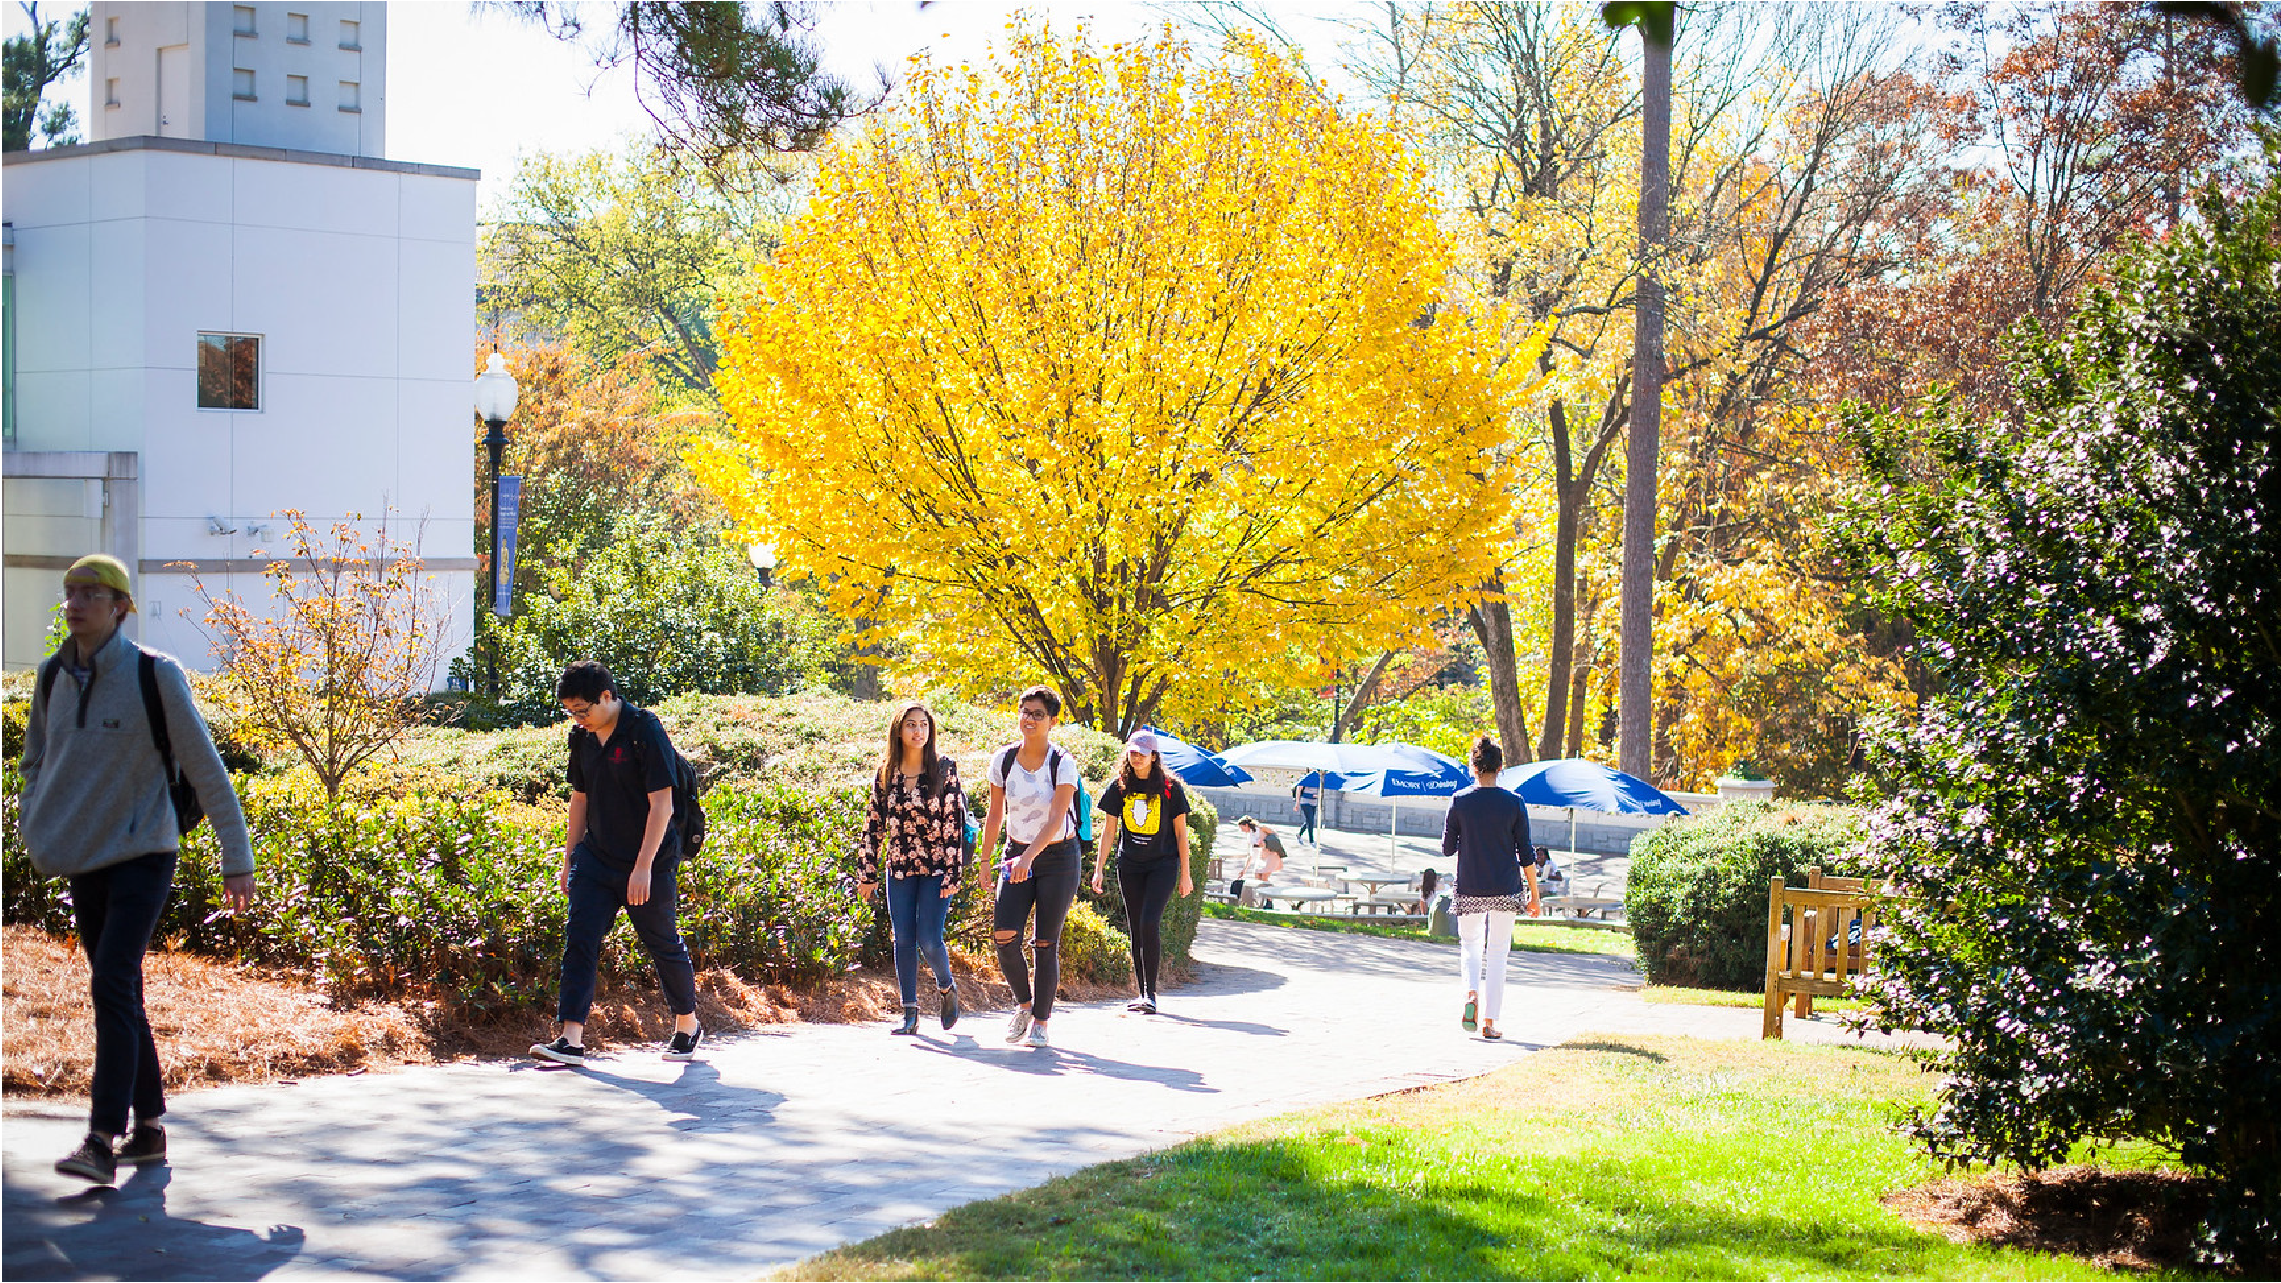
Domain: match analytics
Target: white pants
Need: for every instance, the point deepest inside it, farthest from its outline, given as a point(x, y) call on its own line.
point(1486, 937)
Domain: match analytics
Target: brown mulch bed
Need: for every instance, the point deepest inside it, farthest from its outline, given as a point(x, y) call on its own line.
point(2118, 1220)
point(220, 1022)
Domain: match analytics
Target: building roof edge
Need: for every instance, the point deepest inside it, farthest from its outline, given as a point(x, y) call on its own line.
point(241, 151)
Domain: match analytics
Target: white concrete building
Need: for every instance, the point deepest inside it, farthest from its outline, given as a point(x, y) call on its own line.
point(228, 305)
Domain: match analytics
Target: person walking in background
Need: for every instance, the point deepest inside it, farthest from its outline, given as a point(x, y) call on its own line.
point(1264, 854)
point(620, 851)
point(113, 734)
point(916, 831)
point(1033, 791)
point(1148, 830)
point(1487, 832)
point(1309, 792)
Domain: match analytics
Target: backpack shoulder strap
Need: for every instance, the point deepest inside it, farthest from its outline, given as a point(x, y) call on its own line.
point(1006, 762)
point(154, 710)
point(48, 671)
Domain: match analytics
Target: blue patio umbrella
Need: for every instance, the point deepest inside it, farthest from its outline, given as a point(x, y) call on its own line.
point(1391, 771)
point(1588, 785)
point(1580, 784)
point(1196, 766)
point(1346, 759)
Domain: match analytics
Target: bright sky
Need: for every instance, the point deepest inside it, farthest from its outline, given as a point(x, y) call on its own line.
point(478, 87)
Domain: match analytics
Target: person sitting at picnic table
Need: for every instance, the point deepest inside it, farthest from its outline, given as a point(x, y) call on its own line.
point(1266, 854)
point(1429, 885)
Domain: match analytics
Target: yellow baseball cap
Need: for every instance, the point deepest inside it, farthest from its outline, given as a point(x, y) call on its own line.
point(102, 568)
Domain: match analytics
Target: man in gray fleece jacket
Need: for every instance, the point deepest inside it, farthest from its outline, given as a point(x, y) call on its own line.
point(97, 810)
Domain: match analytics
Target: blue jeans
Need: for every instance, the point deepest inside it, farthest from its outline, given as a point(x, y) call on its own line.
point(116, 908)
point(918, 908)
point(1307, 822)
point(597, 892)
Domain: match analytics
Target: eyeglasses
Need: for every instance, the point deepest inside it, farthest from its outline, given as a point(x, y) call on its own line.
point(580, 713)
point(89, 594)
point(1035, 714)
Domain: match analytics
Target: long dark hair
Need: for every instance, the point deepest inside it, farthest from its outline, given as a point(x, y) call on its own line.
point(1159, 779)
point(930, 765)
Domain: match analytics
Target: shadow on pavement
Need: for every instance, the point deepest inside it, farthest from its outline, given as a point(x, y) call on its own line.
point(697, 1099)
point(1232, 1026)
point(124, 1232)
point(1050, 1062)
point(1216, 978)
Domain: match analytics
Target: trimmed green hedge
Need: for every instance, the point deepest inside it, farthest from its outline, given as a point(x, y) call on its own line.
point(451, 897)
point(436, 874)
point(1696, 898)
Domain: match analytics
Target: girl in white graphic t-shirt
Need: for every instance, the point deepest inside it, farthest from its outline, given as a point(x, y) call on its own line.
point(1033, 787)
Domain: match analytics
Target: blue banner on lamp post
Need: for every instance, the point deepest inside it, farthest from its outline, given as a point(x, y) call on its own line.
point(503, 569)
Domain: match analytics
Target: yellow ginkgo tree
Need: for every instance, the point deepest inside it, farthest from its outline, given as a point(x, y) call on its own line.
point(1122, 368)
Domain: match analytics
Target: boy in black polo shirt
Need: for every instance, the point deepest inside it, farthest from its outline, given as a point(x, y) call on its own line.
point(620, 853)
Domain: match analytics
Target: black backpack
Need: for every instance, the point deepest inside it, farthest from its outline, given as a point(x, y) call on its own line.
point(688, 812)
point(189, 812)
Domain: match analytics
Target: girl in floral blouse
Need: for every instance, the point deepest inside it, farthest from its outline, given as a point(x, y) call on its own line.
point(917, 829)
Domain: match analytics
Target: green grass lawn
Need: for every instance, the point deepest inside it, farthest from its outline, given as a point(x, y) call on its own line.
point(1630, 1158)
point(1727, 998)
point(1529, 936)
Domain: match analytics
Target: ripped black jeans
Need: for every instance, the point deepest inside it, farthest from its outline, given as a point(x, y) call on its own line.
point(1050, 889)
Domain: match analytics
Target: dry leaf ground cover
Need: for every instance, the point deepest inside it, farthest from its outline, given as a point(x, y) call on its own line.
point(219, 1022)
point(1611, 1158)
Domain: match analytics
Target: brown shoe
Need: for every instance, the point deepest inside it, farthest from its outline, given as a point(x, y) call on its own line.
point(92, 1161)
point(145, 1144)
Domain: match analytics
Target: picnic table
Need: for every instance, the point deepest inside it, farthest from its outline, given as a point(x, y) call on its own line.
point(1297, 895)
point(1378, 900)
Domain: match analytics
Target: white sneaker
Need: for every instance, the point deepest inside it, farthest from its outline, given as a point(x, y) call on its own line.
point(1037, 1034)
point(1018, 1026)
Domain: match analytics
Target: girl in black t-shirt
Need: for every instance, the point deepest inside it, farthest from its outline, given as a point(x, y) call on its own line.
point(1148, 831)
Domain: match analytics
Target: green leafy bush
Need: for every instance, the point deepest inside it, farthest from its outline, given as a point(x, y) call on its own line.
point(669, 614)
point(2087, 810)
point(1094, 951)
point(1696, 898)
point(438, 894)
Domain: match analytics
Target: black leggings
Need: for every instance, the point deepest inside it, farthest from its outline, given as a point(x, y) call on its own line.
point(1148, 886)
point(1050, 889)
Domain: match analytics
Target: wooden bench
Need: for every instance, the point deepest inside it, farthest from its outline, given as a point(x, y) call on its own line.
point(1816, 942)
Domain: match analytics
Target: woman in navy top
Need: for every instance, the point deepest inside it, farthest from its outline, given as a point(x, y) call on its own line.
point(1488, 834)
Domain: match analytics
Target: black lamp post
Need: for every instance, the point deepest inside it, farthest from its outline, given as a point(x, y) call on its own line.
point(495, 394)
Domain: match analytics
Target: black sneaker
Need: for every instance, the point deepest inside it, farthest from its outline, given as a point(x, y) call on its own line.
point(145, 1144)
point(684, 1046)
point(949, 1006)
point(92, 1161)
point(561, 1051)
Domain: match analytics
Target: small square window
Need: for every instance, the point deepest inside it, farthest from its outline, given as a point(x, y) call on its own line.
point(229, 372)
point(241, 19)
point(352, 98)
point(111, 92)
point(297, 28)
point(297, 91)
point(351, 35)
point(111, 31)
point(241, 85)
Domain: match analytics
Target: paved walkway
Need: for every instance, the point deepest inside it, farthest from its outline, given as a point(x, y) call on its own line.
point(777, 1144)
